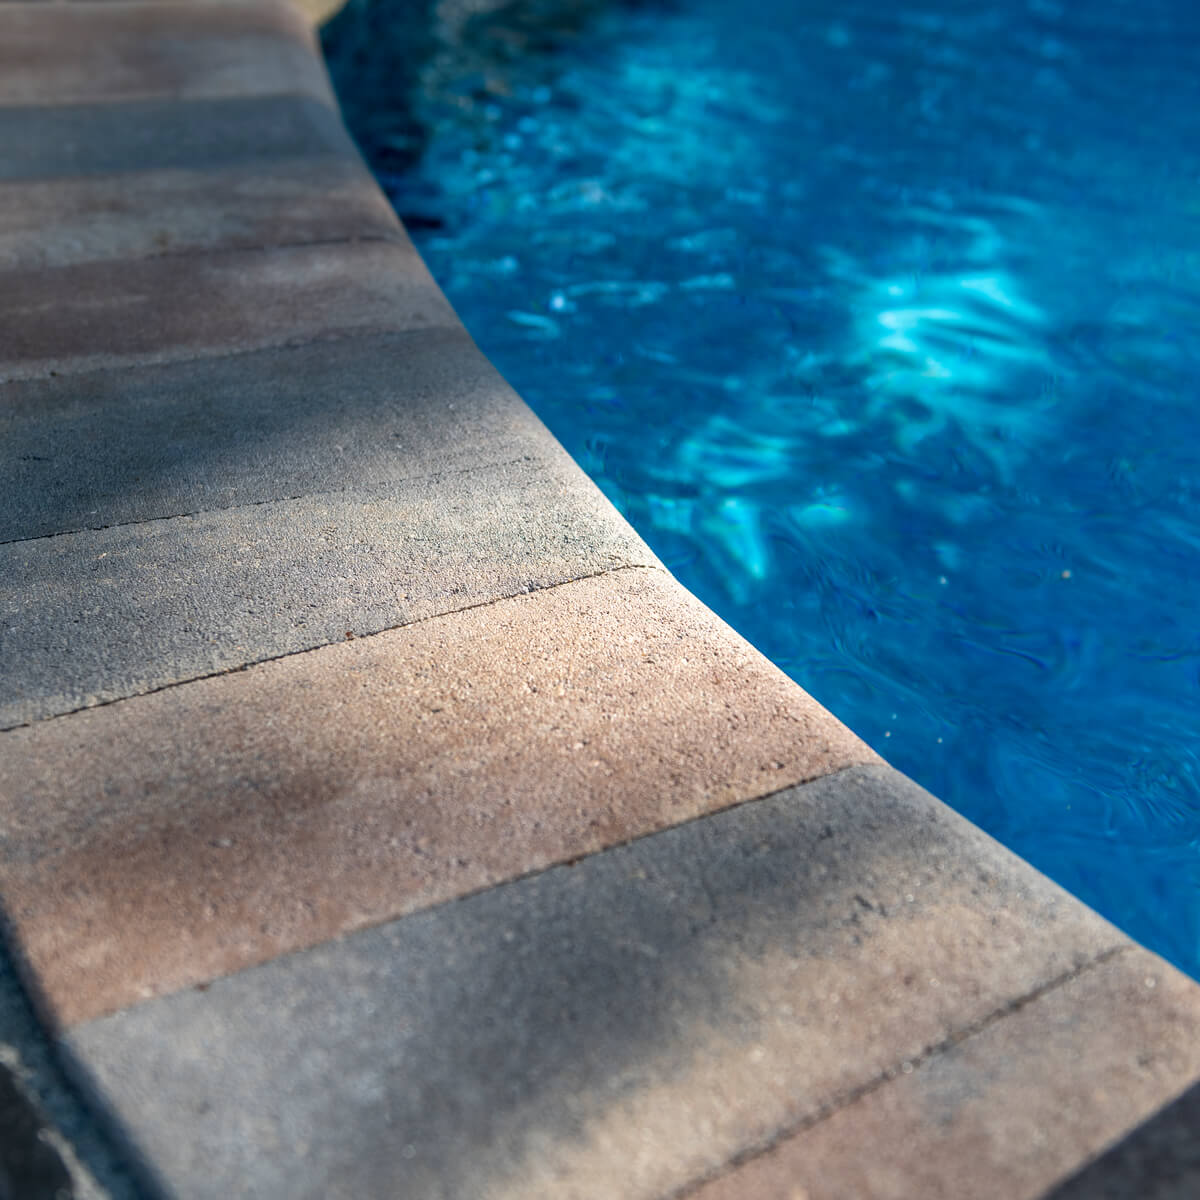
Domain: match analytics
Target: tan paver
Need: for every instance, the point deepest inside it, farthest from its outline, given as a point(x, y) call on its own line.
point(155, 310)
point(102, 52)
point(622, 1027)
point(322, 198)
point(165, 840)
point(1004, 1113)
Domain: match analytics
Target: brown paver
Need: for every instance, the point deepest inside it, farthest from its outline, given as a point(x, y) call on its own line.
point(70, 54)
point(624, 1026)
point(352, 415)
point(1005, 1112)
point(109, 313)
point(324, 197)
point(162, 841)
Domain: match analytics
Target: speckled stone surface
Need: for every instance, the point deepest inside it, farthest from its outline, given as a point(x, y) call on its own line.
point(114, 447)
point(68, 140)
point(157, 843)
point(108, 314)
point(91, 617)
point(125, 212)
point(424, 838)
point(100, 52)
point(996, 1114)
point(614, 1028)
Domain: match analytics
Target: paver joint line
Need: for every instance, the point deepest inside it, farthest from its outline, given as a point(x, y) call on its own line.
point(258, 662)
point(432, 477)
point(855, 1094)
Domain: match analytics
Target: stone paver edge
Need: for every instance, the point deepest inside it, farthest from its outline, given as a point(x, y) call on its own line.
point(852, 1096)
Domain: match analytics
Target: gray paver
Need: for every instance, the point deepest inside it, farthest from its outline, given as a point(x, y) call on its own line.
point(113, 447)
point(65, 140)
point(53, 54)
point(100, 615)
point(615, 1028)
point(1160, 1160)
point(164, 841)
point(109, 313)
point(137, 213)
point(1006, 1111)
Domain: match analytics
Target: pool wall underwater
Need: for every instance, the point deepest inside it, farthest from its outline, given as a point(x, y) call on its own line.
point(379, 816)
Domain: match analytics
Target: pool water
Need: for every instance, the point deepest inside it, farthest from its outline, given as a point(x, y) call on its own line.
point(881, 323)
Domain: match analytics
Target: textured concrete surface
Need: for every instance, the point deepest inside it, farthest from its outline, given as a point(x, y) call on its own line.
point(1160, 1160)
point(107, 314)
point(992, 1115)
point(472, 866)
point(302, 196)
point(70, 140)
point(113, 447)
point(96, 616)
point(59, 54)
point(614, 1028)
point(156, 843)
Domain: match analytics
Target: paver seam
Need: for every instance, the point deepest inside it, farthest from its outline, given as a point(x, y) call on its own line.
point(397, 237)
point(861, 1091)
point(432, 477)
point(528, 590)
point(94, 363)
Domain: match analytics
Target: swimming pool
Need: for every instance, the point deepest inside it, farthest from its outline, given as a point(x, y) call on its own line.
point(881, 323)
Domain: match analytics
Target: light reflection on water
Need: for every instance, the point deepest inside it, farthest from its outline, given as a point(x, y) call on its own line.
point(882, 325)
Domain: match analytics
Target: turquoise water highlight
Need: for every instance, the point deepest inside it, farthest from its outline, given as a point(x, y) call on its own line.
point(881, 323)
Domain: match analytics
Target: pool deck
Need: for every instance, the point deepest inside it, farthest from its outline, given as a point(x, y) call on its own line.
point(378, 818)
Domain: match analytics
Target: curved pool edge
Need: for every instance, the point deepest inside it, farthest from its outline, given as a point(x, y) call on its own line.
point(369, 787)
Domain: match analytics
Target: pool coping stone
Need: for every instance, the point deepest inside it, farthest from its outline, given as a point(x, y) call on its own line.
point(368, 775)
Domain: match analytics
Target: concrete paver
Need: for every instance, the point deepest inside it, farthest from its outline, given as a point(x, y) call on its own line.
point(156, 843)
point(100, 52)
point(615, 1028)
point(105, 614)
point(302, 197)
point(69, 140)
point(112, 313)
point(298, 923)
point(993, 1116)
point(113, 447)
point(1160, 1160)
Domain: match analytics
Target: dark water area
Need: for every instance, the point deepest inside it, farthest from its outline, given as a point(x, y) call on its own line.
point(881, 323)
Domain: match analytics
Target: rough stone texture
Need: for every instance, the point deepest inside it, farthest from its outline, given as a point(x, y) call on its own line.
point(105, 614)
point(114, 447)
point(324, 197)
point(71, 54)
point(1007, 1111)
point(165, 840)
point(113, 313)
point(614, 1028)
point(145, 135)
point(1160, 1160)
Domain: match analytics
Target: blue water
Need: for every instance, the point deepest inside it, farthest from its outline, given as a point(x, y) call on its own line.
point(881, 322)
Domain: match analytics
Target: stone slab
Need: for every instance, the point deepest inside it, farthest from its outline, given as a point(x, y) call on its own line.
point(1159, 1160)
point(115, 313)
point(156, 843)
point(145, 135)
point(53, 54)
point(113, 447)
point(46, 223)
point(1006, 1112)
point(615, 1028)
point(93, 617)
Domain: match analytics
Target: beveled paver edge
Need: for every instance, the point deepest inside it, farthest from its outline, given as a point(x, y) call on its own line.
point(1115, 951)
